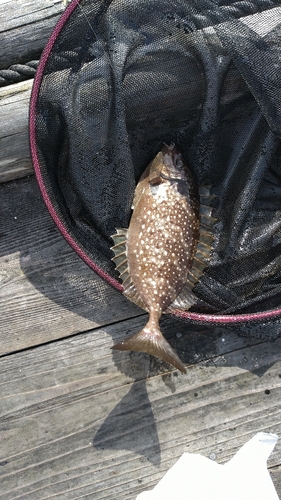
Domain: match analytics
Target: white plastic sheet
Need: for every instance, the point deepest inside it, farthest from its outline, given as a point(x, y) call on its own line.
point(244, 477)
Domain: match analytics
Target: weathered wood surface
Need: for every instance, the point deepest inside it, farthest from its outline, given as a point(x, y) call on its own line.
point(25, 27)
point(47, 292)
point(15, 158)
point(81, 421)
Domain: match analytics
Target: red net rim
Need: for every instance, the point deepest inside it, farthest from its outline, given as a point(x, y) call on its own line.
point(193, 316)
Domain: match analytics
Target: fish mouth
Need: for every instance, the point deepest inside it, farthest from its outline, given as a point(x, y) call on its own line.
point(172, 151)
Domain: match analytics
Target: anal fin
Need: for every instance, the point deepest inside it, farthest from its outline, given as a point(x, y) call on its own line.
point(184, 300)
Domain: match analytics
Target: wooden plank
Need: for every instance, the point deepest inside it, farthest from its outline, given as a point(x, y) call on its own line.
point(25, 27)
point(78, 421)
point(47, 291)
point(275, 473)
point(15, 158)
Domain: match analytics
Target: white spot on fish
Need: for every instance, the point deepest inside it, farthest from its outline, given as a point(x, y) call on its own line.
point(162, 239)
point(162, 193)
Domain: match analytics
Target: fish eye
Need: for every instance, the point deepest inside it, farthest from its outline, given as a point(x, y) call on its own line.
point(179, 163)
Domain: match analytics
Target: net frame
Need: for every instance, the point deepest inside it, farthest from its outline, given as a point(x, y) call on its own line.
point(196, 317)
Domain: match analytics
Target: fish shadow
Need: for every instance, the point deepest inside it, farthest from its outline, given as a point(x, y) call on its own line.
point(132, 416)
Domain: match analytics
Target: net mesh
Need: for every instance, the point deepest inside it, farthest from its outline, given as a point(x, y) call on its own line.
point(121, 77)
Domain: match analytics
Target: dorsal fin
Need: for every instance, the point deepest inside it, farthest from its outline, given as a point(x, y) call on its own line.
point(122, 266)
point(186, 297)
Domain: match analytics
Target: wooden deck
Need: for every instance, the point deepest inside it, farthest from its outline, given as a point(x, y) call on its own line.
point(77, 419)
point(81, 421)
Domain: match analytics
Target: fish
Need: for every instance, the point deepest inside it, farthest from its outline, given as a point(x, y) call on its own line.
point(165, 249)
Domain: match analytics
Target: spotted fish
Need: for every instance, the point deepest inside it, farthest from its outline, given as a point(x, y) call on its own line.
point(163, 253)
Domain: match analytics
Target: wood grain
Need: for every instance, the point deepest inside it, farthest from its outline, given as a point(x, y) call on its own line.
point(47, 291)
point(25, 27)
point(15, 158)
point(79, 422)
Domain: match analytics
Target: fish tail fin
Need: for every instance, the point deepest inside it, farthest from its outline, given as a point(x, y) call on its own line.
point(151, 341)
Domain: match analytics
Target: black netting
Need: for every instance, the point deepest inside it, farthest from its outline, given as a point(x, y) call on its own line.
point(122, 77)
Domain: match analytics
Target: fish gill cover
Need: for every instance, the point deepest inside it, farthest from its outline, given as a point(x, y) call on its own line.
point(118, 79)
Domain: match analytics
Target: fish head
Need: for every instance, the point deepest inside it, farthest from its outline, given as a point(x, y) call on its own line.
point(173, 165)
point(167, 166)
